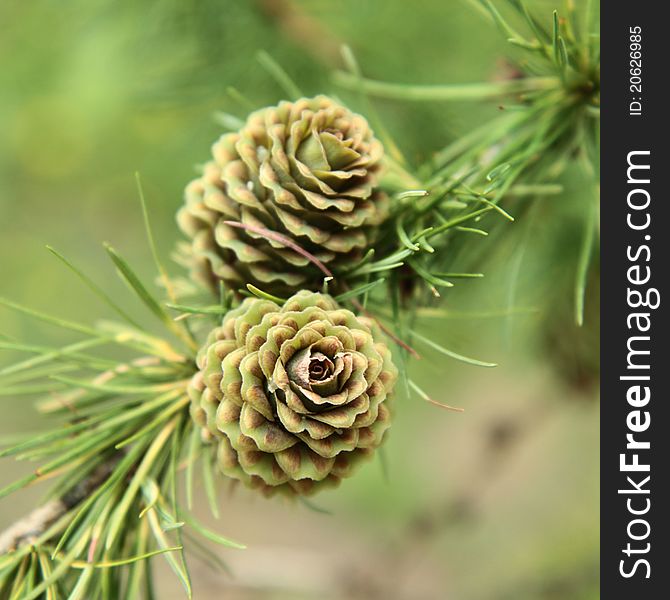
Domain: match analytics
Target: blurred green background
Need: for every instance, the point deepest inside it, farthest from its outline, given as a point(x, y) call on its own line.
point(499, 502)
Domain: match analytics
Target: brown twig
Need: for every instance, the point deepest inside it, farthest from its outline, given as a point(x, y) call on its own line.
point(289, 243)
point(282, 239)
point(30, 527)
point(303, 30)
point(385, 329)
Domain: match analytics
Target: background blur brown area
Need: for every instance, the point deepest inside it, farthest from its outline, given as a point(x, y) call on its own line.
point(498, 502)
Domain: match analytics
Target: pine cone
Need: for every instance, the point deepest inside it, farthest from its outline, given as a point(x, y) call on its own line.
point(307, 170)
point(294, 396)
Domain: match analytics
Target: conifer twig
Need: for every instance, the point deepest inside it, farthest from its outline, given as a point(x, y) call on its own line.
point(30, 527)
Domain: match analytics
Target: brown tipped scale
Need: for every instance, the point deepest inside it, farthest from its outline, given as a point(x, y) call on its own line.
point(307, 170)
point(293, 396)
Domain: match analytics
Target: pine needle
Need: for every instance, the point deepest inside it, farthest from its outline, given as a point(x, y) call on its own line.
point(95, 288)
point(451, 353)
point(276, 71)
point(427, 398)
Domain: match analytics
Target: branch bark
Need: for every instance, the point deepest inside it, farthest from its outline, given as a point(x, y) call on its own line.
point(30, 527)
point(33, 525)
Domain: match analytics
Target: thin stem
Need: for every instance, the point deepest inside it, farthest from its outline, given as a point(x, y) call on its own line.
point(461, 91)
point(282, 239)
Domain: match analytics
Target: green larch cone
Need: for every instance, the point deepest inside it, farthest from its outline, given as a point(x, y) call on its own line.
point(293, 396)
point(307, 170)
